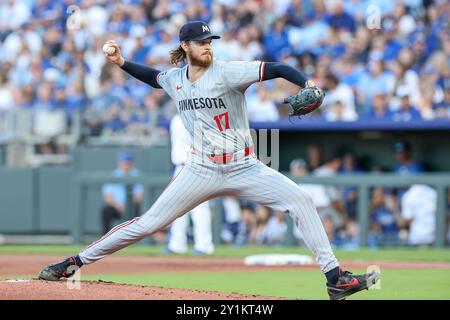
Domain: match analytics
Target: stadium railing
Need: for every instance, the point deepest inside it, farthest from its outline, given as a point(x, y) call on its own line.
point(363, 182)
point(22, 130)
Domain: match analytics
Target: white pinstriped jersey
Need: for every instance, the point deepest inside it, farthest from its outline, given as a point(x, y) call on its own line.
point(213, 111)
point(213, 108)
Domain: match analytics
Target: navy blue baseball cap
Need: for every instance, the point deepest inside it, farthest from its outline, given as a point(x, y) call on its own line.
point(402, 146)
point(125, 155)
point(196, 30)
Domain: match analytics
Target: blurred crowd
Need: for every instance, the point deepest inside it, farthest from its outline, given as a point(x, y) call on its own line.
point(392, 66)
point(398, 216)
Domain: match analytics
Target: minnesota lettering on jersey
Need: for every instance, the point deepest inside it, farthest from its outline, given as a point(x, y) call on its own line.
point(201, 103)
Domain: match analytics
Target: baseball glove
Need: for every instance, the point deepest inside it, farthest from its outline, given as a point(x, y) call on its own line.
point(306, 101)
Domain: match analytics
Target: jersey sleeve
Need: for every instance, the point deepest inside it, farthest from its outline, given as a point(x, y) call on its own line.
point(241, 74)
point(166, 78)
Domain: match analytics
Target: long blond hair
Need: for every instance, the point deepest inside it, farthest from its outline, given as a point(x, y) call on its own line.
point(177, 55)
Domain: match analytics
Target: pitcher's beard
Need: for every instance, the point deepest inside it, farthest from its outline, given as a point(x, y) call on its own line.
point(204, 61)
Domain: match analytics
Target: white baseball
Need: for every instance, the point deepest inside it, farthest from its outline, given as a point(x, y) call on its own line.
point(109, 50)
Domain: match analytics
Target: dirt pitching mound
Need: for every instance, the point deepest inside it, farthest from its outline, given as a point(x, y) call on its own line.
point(99, 290)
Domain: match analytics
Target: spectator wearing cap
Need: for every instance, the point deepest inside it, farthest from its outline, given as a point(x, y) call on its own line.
point(120, 200)
point(405, 162)
point(298, 167)
point(407, 112)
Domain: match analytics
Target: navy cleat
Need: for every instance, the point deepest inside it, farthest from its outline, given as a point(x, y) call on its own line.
point(60, 270)
point(349, 284)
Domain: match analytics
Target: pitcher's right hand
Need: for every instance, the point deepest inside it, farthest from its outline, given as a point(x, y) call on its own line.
point(116, 57)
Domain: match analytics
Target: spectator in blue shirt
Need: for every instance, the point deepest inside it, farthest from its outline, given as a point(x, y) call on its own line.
point(385, 217)
point(121, 200)
point(276, 40)
point(295, 13)
point(75, 96)
point(419, 48)
point(407, 112)
point(379, 110)
point(45, 98)
point(376, 80)
point(349, 71)
point(36, 41)
point(405, 162)
point(339, 19)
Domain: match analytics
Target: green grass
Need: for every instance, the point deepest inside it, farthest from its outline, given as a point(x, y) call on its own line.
point(390, 254)
point(306, 284)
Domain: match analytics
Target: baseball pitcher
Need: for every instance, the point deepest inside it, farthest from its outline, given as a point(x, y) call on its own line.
point(210, 98)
